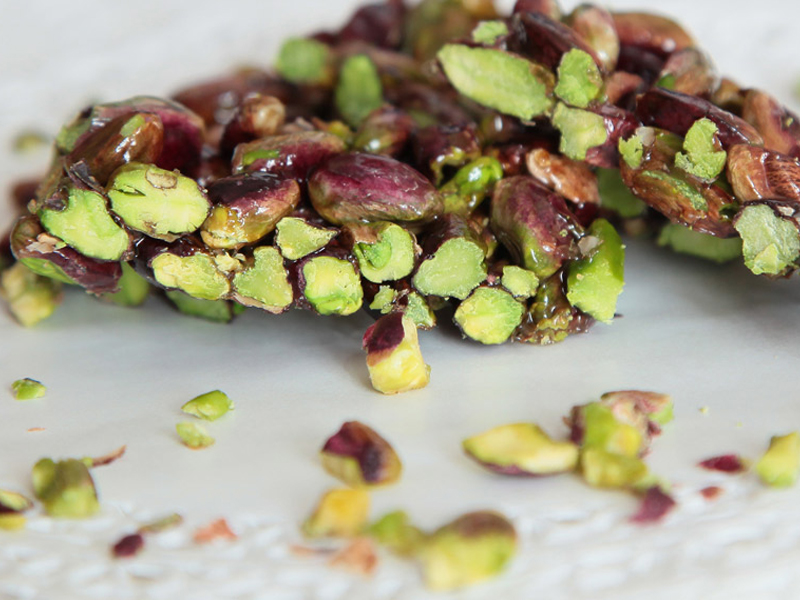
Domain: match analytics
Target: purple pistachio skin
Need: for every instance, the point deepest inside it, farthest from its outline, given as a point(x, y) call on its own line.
point(365, 187)
point(385, 131)
point(379, 24)
point(549, 8)
point(650, 32)
point(595, 26)
point(440, 146)
point(544, 40)
point(29, 240)
point(534, 224)
point(619, 124)
point(105, 149)
point(383, 336)
point(365, 445)
point(640, 62)
point(756, 174)
point(692, 72)
point(289, 156)
point(677, 112)
point(440, 104)
point(778, 126)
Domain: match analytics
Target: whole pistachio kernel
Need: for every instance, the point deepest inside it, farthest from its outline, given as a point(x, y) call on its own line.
point(209, 406)
point(340, 513)
point(473, 548)
point(780, 464)
point(193, 435)
point(160, 203)
point(28, 389)
point(65, 488)
point(358, 456)
point(359, 90)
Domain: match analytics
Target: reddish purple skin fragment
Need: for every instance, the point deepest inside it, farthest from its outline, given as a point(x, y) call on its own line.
point(727, 463)
point(655, 505)
point(385, 334)
point(129, 546)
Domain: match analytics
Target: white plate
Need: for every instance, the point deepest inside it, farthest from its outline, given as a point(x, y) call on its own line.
point(713, 337)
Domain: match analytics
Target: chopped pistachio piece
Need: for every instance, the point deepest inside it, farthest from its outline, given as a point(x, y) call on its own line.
point(302, 60)
point(580, 130)
point(781, 462)
point(471, 184)
point(615, 195)
point(595, 281)
point(358, 456)
point(265, 284)
point(65, 488)
point(27, 389)
point(521, 449)
point(193, 435)
point(603, 430)
point(522, 283)
point(385, 251)
point(359, 90)
point(703, 155)
point(487, 32)
point(473, 548)
point(31, 298)
point(12, 521)
point(197, 274)
point(13, 502)
point(683, 240)
point(632, 150)
point(395, 531)
point(332, 286)
point(601, 468)
point(394, 359)
point(133, 288)
point(579, 79)
point(770, 243)
point(489, 315)
point(217, 311)
point(499, 80)
point(297, 237)
point(340, 513)
point(209, 406)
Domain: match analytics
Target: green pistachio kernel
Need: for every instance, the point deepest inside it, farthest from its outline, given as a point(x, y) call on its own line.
point(522, 283)
point(703, 155)
point(601, 429)
point(487, 32)
point(499, 80)
point(632, 151)
point(296, 237)
point(471, 184)
point(770, 243)
point(395, 531)
point(580, 130)
point(302, 60)
point(209, 406)
point(359, 90)
point(781, 462)
point(601, 468)
point(579, 79)
point(133, 288)
point(65, 488)
point(31, 298)
point(341, 512)
point(683, 240)
point(193, 435)
point(615, 195)
point(28, 389)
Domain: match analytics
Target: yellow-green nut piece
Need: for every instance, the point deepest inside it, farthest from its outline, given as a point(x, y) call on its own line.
point(522, 283)
point(65, 488)
point(193, 435)
point(521, 449)
point(27, 389)
point(340, 513)
point(12, 505)
point(162, 204)
point(359, 90)
point(395, 531)
point(359, 456)
point(604, 469)
point(780, 464)
point(579, 79)
point(603, 430)
point(473, 548)
point(702, 154)
point(31, 297)
point(209, 406)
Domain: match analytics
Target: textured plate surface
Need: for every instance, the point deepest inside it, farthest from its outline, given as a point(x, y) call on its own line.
point(713, 337)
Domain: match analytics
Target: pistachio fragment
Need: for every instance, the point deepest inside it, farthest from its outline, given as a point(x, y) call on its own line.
point(488, 32)
point(407, 302)
point(551, 318)
point(689, 71)
point(432, 23)
point(489, 315)
point(193, 436)
point(264, 283)
point(520, 282)
point(703, 155)
point(65, 488)
point(31, 298)
point(652, 32)
point(209, 406)
point(256, 116)
point(471, 184)
point(440, 147)
point(543, 39)
point(601, 468)
point(187, 266)
point(702, 245)
point(384, 131)
point(394, 359)
point(521, 449)
point(499, 80)
point(597, 425)
point(217, 311)
point(27, 389)
point(296, 237)
point(395, 531)
point(385, 251)
point(160, 203)
point(133, 288)
point(756, 173)
point(359, 90)
point(596, 26)
point(12, 507)
point(615, 195)
point(340, 513)
point(287, 156)
point(302, 60)
point(473, 548)
point(579, 79)
point(359, 457)
point(778, 126)
point(780, 464)
point(570, 178)
point(328, 284)
point(770, 237)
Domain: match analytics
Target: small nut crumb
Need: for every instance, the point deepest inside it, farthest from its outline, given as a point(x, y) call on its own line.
point(128, 546)
point(358, 556)
point(704, 410)
point(214, 531)
point(712, 492)
point(34, 429)
point(106, 459)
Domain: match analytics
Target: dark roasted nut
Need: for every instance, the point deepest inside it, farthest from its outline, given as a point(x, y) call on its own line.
point(534, 224)
point(453, 260)
point(489, 315)
point(770, 236)
point(50, 257)
point(160, 203)
point(521, 449)
point(651, 32)
point(499, 80)
point(385, 131)
point(263, 282)
point(438, 147)
point(379, 24)
point(65, 488)
point(358, 456)
point(596, 26)
point(777, 125)
point(31, 298)
point(572, 179)
point(677, 112)
point(756, 173)
point(544, 40)
point(364, 187)
point(394, 359)
point(289, 156)
point(475, 547)
point(246, 208)
point(689, 71)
